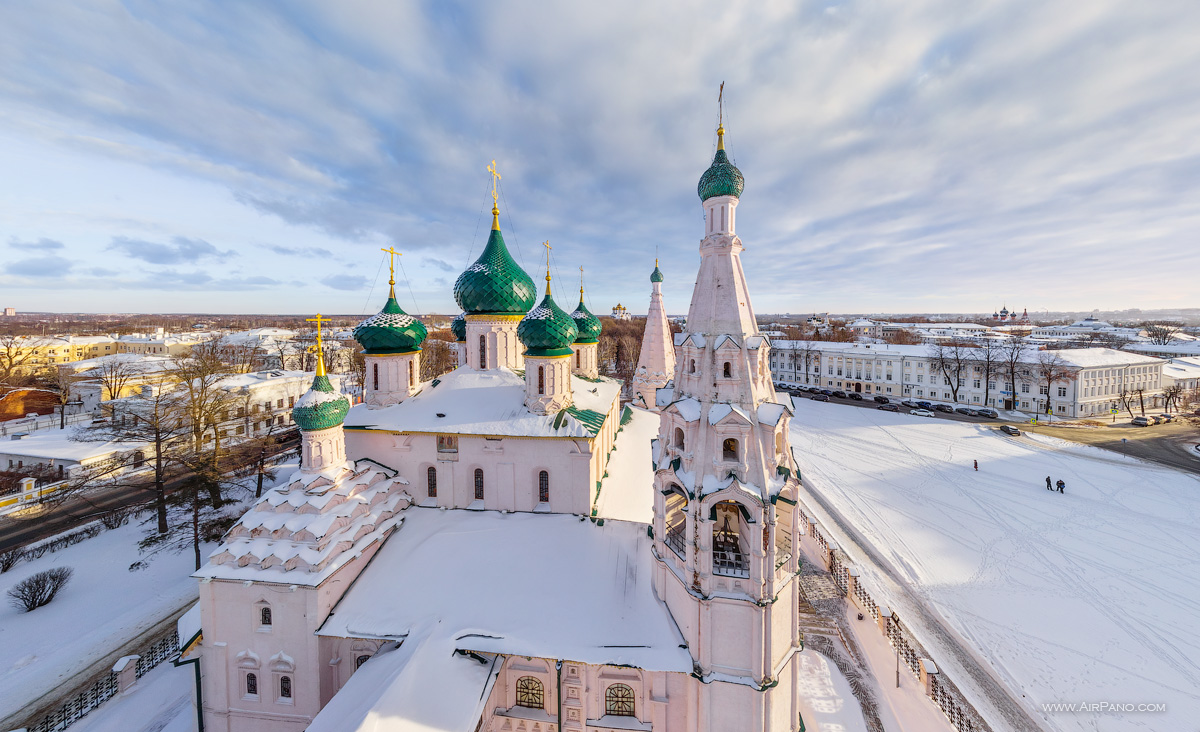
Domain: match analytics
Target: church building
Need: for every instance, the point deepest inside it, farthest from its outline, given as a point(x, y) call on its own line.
point(503, 548)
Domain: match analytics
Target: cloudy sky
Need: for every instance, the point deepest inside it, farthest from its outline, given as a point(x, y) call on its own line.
point(900, 156)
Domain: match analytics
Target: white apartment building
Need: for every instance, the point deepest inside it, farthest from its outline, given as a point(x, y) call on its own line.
point(1098, 377)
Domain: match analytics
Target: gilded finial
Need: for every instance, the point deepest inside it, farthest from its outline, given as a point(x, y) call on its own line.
point(581, 284)
point(721, 118)
point(318, 348)
point(495, 197)
point(392, 254)
point(547, 245)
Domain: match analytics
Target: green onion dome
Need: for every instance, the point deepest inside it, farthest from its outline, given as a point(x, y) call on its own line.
point(391, 330)
point(587, 324)
point(656, 275)
point(495, 283)
point(547, 330)
point(458, 327)
point(722, 177)
point(320, 407)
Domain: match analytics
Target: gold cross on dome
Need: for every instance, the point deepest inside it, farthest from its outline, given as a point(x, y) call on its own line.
point(547, 245)
point(392, 254)
point(495, 179)
point(581, 284)
point(318, 320)
point(317, 348)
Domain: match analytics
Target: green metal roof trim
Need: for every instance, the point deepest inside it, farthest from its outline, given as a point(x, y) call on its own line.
point(320, 407)
point(547, 330)
point(458, 327)
point(391, 330)
point(721, 179)
point(626, 416)
point(589, 418)
point(656, 275)
point(495, 283)
point(588, 325)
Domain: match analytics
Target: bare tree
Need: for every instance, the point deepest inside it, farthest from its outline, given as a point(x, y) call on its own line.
point(1125, 396)
point(17, 354)
point(1160, 332)
point(194, 517)
point(62, 381)
point(903, 337)
point(1052, 368)
point(437, 357)
point(114, 374)
point(1011, 364)
point(1172, 396)
point(985, 358)
point(199, 375)
point(951, 359)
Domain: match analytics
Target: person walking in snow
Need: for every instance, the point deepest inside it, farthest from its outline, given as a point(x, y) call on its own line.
point(1048, 484)
point(1061, 485)
point(976, 466)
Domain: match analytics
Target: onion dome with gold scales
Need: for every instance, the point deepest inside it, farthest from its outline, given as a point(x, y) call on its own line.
point(547, 330)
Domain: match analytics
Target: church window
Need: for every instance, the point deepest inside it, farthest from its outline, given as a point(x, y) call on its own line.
point(483, 352)
point(779, 442)
point(729, 449)
point(285, 687)
point(431, 481)
point(264, 616)
point(679, 438)
point(618, 700)
point(251, 685)
point(479, 484)
point(543, 487)
point(577, 356)
point(730, 558)
point(530, 693)
point(410, 373)
point(728, 370)
point(676, 520)
point(360, 660)
point(692, 368)
point(375, 376)
point(541, 379)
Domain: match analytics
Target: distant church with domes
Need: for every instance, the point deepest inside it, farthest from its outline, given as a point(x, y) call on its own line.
point(504, 547)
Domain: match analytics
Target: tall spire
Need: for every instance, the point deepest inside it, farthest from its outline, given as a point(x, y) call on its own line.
point(318, 348)
point(720, 123)
point(392, 254)
point(547, 245)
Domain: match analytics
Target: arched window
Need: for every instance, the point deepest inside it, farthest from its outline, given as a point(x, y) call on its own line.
point(482, 352)
point(577, 357)
point(728, 370)
point(679, 438)
point(543, 487)
point(779, 442)
point(529, 693)
point(375, 376)
point(360, 660)
point(692, 367)
point(729, 449)
point(264, 616)
point(139, 459)
point(676, 520)
point(618, 700)
point(431, 481)
point(285, 687)
point(251, 685)
point(410, 372)
point(478, 484)
point(730, 558)
point(541, 379)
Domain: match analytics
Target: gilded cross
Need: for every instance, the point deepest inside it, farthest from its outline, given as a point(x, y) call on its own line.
point(392, 254)
point(721, 105)
point(581, 284)
point(318, 320)
point(495, 179)
point(547, 245)
point(317, 348)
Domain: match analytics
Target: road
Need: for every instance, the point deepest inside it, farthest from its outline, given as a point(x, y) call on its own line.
point(18, 530)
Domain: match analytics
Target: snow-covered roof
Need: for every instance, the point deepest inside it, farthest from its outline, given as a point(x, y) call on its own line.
point(485, 578)
point(63, 445)
point(491, 402)
point(1180, 369)
point(423, 685)
point(308, 527)
point(627, 490)
point(1092, 357)
point(1187, 348)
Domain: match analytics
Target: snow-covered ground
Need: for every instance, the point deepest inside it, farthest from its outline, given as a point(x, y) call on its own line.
point(102, 608)
point(829, 703)
point(160, 702)
point(1089, 596)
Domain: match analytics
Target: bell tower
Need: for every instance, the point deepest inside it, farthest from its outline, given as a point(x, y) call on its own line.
point(656, 361)
point(725, 512)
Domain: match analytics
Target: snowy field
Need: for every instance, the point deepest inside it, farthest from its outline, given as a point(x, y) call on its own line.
point(1090, 596)
point(160, 702)
point(103, 607)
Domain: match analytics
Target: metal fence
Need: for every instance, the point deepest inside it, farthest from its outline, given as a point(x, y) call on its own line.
point(101, 690)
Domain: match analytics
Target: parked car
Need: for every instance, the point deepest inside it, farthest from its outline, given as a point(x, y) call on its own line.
point(826, 392)
point(921, 403)
point(819, 398)
point(887, 407)
point(882, 399)
point(909, 402)
point(1167, 417)
point(966, 410)
point(855, 396)
point(991, 413)
point(1008, 429)
point(922, 413)
point(944, 408)
point(1141, 422)
point(1153, 419)
point(839, 393)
